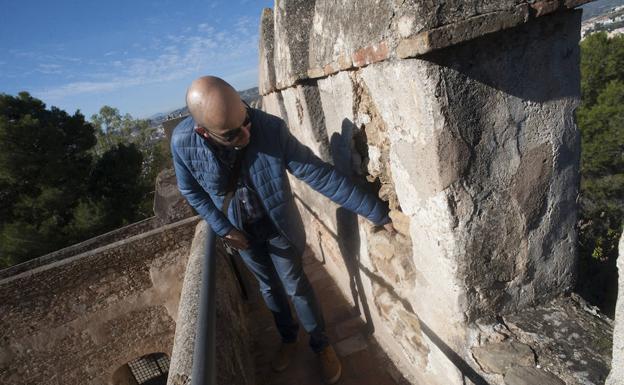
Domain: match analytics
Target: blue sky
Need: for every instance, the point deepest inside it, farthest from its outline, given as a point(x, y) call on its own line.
point(138, 56)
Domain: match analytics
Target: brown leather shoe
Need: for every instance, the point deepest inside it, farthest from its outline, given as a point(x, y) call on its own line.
point(330, 365)
point(284, 356)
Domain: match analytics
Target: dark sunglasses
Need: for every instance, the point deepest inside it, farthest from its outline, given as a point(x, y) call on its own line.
point(230, 135)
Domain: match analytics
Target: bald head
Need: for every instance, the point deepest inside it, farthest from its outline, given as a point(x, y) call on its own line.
point(214, 104)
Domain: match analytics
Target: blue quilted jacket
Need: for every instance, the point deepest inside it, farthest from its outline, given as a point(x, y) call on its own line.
point(271, 151)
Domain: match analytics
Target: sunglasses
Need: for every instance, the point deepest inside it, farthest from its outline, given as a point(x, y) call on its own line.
point(230, 135)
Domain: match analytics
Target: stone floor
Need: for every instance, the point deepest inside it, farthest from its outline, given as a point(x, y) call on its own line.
point(363, 362)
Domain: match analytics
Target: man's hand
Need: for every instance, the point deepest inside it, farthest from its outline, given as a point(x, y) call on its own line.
point(236, 239)
point(390, 228)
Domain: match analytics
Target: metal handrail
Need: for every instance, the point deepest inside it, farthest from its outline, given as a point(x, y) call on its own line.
point(204, 351)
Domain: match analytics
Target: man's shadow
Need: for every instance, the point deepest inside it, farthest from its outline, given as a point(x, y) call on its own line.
point(347, 223)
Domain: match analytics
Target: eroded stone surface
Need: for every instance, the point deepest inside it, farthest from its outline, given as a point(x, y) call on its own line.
point(169, 205)
point(498, 358)
point(292, 23)
point(266, 53)
point(568, 340)
point(523, 375)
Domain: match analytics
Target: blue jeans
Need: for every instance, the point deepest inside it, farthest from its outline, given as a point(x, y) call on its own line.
point(279, 270)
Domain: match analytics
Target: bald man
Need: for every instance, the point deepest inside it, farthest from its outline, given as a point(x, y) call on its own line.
point(231, 162)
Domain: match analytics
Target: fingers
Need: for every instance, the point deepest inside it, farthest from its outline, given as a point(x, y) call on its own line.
point(237, 244)
point(237, 240)
point(390, 228)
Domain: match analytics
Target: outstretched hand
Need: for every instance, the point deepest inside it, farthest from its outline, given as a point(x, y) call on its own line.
point(390, 228)
point(236, 239)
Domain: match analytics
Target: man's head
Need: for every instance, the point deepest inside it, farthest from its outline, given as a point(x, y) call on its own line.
point(217, 108)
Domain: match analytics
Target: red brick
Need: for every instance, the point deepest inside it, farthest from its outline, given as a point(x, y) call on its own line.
point(371, 54)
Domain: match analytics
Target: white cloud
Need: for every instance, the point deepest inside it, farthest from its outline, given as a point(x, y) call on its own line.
point(49, 68)
point(177, 57)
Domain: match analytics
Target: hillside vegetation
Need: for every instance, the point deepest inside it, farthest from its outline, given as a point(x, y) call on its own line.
point(601, 121)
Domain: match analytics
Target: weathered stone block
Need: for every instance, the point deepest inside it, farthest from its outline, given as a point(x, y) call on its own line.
point(293, 22)
point(522, 375)
point(567, 339)
point(266, 51)
point(273, 104)
point(342, 30)
point(462, 31)
point(169, 205)
point(468, 135)
point(336, 93)
point(306, 119)
point(498, 358)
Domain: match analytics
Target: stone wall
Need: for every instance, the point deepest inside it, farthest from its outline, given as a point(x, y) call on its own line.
point(77, 320)
point(460, 116)
point(80, 319)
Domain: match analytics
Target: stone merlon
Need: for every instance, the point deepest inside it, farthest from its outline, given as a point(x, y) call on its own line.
point(309, 39)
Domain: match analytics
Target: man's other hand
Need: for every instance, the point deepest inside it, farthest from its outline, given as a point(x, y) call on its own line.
point(236, 239)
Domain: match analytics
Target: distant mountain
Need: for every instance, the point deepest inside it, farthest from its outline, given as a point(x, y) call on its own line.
point(249, 95)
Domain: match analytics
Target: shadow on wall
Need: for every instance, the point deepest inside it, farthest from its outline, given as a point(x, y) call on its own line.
point(349, 242)
point(506, 63)
point(347, 222)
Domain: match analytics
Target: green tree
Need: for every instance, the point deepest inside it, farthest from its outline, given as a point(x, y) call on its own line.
point(45, 157)
point(601, 121)
point(116, 183)
point(601, 63)
point(113, 129)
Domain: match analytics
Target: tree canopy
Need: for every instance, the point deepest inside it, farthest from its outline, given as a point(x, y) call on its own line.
point(601, 121)
point(63, 179)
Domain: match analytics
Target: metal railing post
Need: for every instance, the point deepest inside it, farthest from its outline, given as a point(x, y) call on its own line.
point(204, 371)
